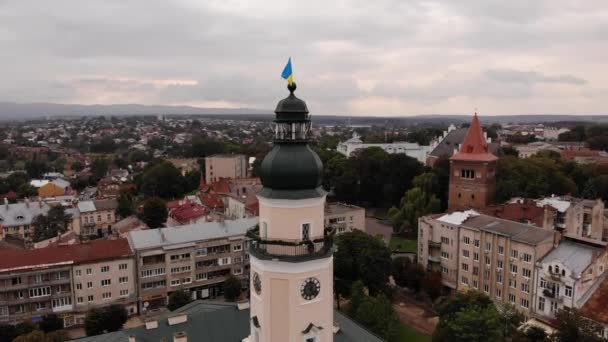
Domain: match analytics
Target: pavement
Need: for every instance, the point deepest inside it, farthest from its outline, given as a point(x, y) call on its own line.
point(375, 227)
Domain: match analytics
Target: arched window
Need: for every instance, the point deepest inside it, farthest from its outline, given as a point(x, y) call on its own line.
point(550, 269)
point(557, 269)
point(563, 273)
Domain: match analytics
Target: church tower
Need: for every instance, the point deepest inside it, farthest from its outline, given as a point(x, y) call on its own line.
point(472, 172)
point(291, 251)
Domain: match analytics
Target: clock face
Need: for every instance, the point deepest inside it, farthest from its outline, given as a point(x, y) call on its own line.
point(257, 283)
point(310, 288)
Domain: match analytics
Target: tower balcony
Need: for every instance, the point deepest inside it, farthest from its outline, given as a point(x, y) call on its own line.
point(291, 250)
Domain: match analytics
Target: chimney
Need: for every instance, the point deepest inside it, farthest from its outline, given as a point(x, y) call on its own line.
point(180, 336)
point(131, 338)
point(6, 202)
point(27, 202)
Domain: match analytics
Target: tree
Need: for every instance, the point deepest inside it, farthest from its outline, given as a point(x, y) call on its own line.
point(357, 296)
point(107, 319)
point(54, 223)
point(99, 168)
point(468, 316)
point(125, 205)
point(162, 180)
point(360, 256)
point(571, 326)
point(510, 318)
point(431, 284)
point(510, 151)
point(155, 212)
point(50, 322)
point(36, 168)
point(407, 273)
point(178, 298)
point(416, 202)
point(376, 313)
point(8, 332)
point(535, 334)
point(77, 166)
point(232, 288)
point(41, 336)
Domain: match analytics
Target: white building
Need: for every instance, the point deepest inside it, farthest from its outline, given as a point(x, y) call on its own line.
point(410, 149)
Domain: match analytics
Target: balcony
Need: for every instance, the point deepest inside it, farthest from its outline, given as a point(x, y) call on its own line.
point(434, 259)
point(291, 250)
point(549, 293)
point(433, 244)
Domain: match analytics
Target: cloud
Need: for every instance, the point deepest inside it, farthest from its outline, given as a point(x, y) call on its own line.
point(517, 76)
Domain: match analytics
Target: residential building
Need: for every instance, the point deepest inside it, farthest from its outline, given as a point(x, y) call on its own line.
point(472, 172)
point(577, 218)
point(568, 276)
point(345, 217)
point(54, 279)
point(242, 201)
point(187, 213)
point(225, 166)
point(213, 321)
point(480, 252)
point(16, 219)
point(528, 150)
point(56, 187)
point(97, 217)
point(450, 142)
point(414, 150)
point(196, 257)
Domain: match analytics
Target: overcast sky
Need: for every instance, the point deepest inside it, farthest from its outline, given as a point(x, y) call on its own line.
point(378, 57)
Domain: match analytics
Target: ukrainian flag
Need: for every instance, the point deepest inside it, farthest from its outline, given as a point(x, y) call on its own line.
point(287, 73)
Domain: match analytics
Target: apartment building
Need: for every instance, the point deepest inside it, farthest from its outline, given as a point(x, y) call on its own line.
point(485, 253)
point(345, 217)
point(97, 217)
point(225, 166)
point(568, 276)
point(576, 217)
point(37, 282)
point(197, 258)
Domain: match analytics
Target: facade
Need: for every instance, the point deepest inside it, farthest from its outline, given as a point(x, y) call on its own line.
point(16, 219)
point(55, 279)
point(568, 276)
point(225, 166)
point(472, 172)
point(419, 152)
point(345, 217)
point(291, 292)
point(57, 187)
point(197, 258)
point(97, 217)
point(479, 252)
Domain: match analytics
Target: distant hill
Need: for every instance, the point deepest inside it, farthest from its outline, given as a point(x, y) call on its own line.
point(12, 111)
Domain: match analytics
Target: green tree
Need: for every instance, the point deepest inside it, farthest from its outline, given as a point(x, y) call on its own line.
point(50, 322)
point(36, 168)
point(155, 212)
point(232, 288)
point(107, 319)
point(510, 151)
point(416, 202)
point(54, 223)
point(407, 273)
point(535, 334)
point(360, 256)
point(99, 168)
point(125, 205)
point(77, 166)
point(162, 180)
point(376, 314)
point(178, 298)
point(41, 336)
point(357, 296)
point(571, 326)
point(431, 284)
point(510, 319)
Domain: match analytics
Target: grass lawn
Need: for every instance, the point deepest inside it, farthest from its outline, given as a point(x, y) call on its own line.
point(402, 245)
point(410, 335)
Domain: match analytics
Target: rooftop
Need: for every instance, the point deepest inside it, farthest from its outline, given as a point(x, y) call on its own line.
point(13, 260)
point(453, 140)
point(22, 213)
point(211, 322)
point(596, 306)
point(574, 256)
point(340, 208)
point(152, 238)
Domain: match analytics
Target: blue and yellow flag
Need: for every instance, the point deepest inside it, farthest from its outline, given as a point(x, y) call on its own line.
point(287, 73)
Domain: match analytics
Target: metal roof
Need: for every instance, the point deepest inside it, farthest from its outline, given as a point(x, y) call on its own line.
point(574, 256)
point(517, 231)
point(22, 213)
point(151, 238)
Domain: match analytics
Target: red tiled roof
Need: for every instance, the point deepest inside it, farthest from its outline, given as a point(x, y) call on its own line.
point(596, 307)
point(188, 211)
point(92, 251)
point(211, 201)
point(474, 147)
point(254, 208)
point(221, 186)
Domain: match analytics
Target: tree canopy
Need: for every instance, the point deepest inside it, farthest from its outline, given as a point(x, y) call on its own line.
point(54, 223)
point(106, 319)
point(155, 212)
point(232, 288)
point(178, 298)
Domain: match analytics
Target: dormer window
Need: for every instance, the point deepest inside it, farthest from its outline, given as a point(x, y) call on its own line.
point(20, 217)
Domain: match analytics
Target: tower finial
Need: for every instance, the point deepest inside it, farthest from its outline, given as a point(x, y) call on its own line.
point(292, 87)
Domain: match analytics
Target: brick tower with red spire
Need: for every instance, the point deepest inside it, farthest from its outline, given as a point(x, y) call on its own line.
point(472, 172)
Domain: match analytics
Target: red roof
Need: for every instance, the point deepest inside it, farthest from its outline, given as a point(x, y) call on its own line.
point(212, 201)
point(474, 147)
point(254, 208)
point(596, 307)
point(221, 186)
point(520, 212)
point(92, 251)
point(188, 211)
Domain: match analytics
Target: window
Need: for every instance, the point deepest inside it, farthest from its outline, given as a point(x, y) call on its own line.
point(106, 295)
point(105, 268)
point(186, 280)
point(122, 266)
point(487, 260)
point(237, 271)
point(90, 298)
point(514, 253)
point(445, 255)
point(475, 284)
point(511, 298)
point(89, 271)
point(89, 285)
point(40, 292)
point(445, 240)
point(39, 306)
point(106, 282)
point(467, 240)
point(526, 272)
point(80, 300)
point(16, 281)
point(109, 217)
point(499, 264)
point(465, 253)
point(464, 280)
point(476, 242)
point(543, 283)
point(488, 246)
point(527, 257)
point(237, 260)
point(513, 268)
point(181, 269)
point(444, 270)
point(499, 277)
point(475, 256)
point(38, 278)
point(3, 311)
point(525, 288)
point(465, 267)
point(237, 248)
point(486, 275)
point(152, 272)
point(201, 251)
point(124, 293)
point(201, 276)
point(123, 280)
point(486, 288)
point(175, 282)
point(79, 286)
point(525, 303)
point(59, 302)
point(468, 174)
point(306, 231)
point(223, 261)
point(78, 273)
point(568, 291)
point(513, 283)
point(541, 303)
point(501, 250)
point(498, 293)
point(475, 270)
